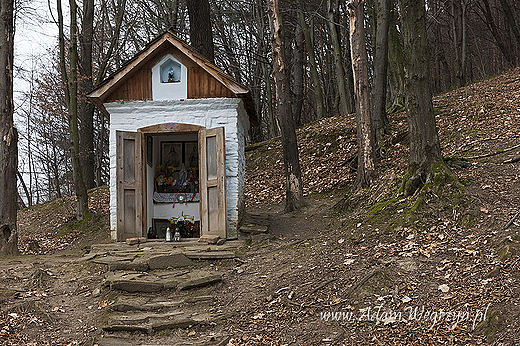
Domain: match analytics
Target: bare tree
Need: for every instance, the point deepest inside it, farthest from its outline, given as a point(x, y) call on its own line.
point(425, 150)
point(70, 85)
point(8, 135)
point(380, 44)
point(291, 159)
point(309, 43)
point(365, 129)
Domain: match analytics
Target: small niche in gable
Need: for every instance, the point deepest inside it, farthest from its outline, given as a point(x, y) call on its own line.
point(170, 72)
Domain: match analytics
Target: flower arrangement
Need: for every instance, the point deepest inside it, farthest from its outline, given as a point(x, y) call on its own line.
point(185, 224)
point(165, 176)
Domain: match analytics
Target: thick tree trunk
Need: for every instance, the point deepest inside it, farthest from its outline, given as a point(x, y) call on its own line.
point(309, 43)
point(8, 135)
point(425, 151)
point(365, 130)
point(201, 35)
point(344, 102)
point(85, 108)
point(293, 180)
point(395, 66)
point(381, 123)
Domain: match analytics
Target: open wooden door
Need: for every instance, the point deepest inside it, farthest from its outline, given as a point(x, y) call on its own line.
point(129, 175)
point(212, 182)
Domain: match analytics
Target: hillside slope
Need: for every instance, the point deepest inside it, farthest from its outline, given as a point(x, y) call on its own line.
point(352, 267)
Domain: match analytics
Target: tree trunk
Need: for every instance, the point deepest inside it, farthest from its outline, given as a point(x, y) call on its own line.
point(395, 66)
point(298, 71)
point(200, 28)
point(490, 22)
point(425, 151)
point(309, 43)
point(381, 123)
point(71, 93)
point(8, 135)
point(365, 130)
point(293, 180)
point(271, 121)
point(344, 102)
point(464, 43)
point(511, 19)
point(86, 108)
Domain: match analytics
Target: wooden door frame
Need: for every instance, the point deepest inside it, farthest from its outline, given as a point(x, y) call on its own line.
point(162, 129)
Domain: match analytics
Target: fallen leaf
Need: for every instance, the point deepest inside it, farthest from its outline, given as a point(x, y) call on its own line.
point(444, 288)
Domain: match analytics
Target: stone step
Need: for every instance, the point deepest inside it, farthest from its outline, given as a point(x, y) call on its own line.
point(210, 255)
point(254, 229)
point(147, 282)
point(143, 318)
point(132, 304)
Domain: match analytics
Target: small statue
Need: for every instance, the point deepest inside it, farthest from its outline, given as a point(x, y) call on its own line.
point(177, 236)
point(168, 235)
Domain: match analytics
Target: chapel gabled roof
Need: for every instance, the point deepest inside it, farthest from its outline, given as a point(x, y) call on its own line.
point(115, 80)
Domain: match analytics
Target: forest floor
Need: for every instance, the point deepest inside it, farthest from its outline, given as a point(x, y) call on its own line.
point(367, 267)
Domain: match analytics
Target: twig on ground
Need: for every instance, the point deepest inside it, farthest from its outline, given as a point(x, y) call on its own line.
point(319, 287)
point(511, 221)
point(492, 154)
point(513, 160)
point(356, 286)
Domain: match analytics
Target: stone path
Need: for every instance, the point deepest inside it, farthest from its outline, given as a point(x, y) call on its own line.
point(148, 278)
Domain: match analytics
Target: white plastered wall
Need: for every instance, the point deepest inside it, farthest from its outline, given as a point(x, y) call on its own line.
point(210, 113)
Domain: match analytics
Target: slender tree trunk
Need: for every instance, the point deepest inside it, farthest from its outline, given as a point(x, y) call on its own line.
point(8, 135)
point(425, 151)
point(511, 19)
point(464, 47)
point(298, 63)
point(70, 85)
point(341, 80)
point(455, 15)
point(201, 35)
point(271, 126)
point(309, 43)
point(381, 123)
point(365, 130)
point(395, 66)
point(349, 75)
point(499, 41)
point(293, 179)
point(24, 186)
point(86, 108)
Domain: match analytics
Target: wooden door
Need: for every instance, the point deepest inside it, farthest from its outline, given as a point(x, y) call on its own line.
point(129, 185)
point(212, 181)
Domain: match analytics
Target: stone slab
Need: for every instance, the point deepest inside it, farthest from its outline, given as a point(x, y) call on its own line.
point(143, 318)
point(198, 278)
point(135, 241)
point(197, 299)
point(127, 328)
point(139, 305)
point(211, 255)
point(254, 229)
point(174, 324)
point(209, 238)
point(172, 260)
point(136, 286)
point(111, 260)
